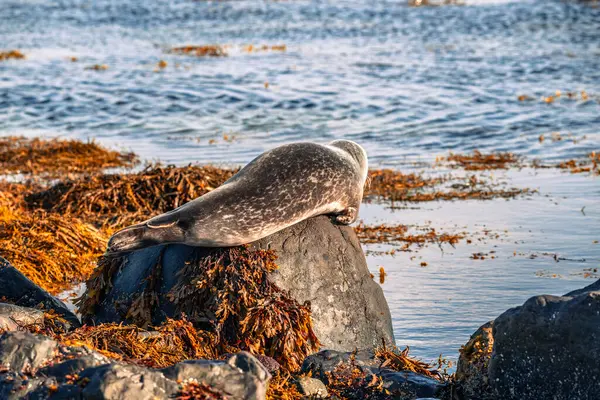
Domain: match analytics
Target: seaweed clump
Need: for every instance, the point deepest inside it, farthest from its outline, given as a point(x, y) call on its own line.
point(591, 164)
point(201, 51)
point(479, 161)
point(54, 251)
point(226, 293)
point(117, 200)
point(399, 233)
point(56, 157)
point(394, 185)
point(11, 54)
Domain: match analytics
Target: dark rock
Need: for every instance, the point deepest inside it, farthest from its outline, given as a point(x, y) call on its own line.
point(240, 377)
point(16, 288)
point(548, 348)
point(320, 262)
point(403, 384)
point(82, 359)
point(12, 317)
point(22, 351)
point(268, 362)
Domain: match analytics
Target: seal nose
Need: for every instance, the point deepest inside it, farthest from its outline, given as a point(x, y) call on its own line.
point(126, 239)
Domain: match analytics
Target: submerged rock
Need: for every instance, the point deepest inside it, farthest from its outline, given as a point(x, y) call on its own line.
point(38, 367)
point(548, 348)
point(17, 289)
point(320, 263)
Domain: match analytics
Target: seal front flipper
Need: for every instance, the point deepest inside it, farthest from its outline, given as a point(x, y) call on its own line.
point(347, 216)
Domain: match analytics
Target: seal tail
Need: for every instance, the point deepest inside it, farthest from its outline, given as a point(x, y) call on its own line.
point(143, 235)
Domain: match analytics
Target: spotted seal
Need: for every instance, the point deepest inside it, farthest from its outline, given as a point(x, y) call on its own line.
point(277, 189)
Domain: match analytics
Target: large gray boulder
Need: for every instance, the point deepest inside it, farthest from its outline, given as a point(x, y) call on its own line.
point(319, 262)
point(548, 348)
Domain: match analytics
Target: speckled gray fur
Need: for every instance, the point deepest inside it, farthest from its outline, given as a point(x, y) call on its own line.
point(279, 188)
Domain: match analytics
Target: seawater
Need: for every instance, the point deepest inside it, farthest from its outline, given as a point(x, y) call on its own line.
point(408, 83)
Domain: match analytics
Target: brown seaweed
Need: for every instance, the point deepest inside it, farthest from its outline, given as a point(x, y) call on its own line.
point(57, 157)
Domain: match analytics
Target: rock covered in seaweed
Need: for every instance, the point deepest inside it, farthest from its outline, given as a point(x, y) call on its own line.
point(53, 370)
point(546, 348)
point(258, 297)
point(368, 376)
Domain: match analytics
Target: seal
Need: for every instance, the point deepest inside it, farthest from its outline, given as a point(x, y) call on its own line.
point(277, 189)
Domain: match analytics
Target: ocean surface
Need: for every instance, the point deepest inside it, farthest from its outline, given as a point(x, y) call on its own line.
point(407, 83)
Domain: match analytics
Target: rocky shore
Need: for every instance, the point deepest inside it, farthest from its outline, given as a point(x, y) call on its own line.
point(294, 315)
point(547, 347)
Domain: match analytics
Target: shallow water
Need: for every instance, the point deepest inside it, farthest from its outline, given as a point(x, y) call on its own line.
point(407, 83)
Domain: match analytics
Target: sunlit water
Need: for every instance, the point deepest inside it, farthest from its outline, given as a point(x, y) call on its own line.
point(407, 83)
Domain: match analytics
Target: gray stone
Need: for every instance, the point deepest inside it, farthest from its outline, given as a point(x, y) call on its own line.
point(401, 384)
point(548, 349)
point(319, 262)
point(126, 382)
point(324, 264)
point(312, 387)
point(240, 377)
point(77, 360)
point(23, 351)
point(37, 367)
point(16, 288)
point(13, 317)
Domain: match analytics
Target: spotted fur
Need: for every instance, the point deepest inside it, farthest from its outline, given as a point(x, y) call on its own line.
point(277, 189)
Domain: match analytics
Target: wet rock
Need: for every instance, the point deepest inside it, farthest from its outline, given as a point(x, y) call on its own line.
point(17, 289)
point(22, 351)
point(403, 384)
point(547, 348)
point(319, 262)
point(12, 317)
point(240, 377)
point(313, 388)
